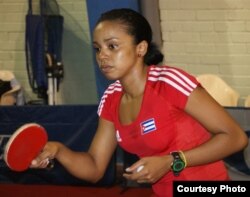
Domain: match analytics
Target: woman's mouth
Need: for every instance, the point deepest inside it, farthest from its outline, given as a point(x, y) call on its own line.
point(106, 68)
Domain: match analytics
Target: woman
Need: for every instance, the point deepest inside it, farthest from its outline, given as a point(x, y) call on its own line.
point(160, 113)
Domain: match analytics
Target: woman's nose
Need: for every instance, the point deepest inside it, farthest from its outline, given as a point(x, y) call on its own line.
point(102, 54)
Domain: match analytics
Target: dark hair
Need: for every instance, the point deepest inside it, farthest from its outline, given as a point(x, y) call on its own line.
point(138, 27)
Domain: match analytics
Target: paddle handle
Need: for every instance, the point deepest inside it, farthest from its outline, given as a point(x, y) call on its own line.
point(51, 164)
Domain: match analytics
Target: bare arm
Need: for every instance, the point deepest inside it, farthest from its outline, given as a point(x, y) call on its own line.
point(228, 136)
point(89, 165)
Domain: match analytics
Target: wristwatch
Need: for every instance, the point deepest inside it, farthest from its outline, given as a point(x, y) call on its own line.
point(178, 164)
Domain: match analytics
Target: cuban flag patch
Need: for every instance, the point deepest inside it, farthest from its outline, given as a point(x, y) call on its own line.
point(148, 126)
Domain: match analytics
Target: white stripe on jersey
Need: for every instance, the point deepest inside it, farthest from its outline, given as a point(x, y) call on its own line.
point(171, 76)
point(116, 86)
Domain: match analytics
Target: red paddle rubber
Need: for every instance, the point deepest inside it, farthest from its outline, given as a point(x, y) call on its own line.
point(24, 145)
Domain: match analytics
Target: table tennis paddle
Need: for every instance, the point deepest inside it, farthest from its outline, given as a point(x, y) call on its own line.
point(24, 145)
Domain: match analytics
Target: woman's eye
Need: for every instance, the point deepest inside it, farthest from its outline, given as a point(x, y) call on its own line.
point(112, 46)
point(97, 49)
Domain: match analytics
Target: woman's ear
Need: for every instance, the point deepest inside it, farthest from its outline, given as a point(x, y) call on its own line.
point(142, 48)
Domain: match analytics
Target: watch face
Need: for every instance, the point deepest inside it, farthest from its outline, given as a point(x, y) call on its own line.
point(178, 166)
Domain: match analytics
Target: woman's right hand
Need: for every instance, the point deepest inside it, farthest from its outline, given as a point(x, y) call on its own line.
point(49, 152)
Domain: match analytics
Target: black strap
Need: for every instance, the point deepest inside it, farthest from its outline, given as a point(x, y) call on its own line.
point(30, 7)
point(42, 7)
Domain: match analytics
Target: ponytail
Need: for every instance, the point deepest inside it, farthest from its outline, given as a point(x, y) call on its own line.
point(153, 55)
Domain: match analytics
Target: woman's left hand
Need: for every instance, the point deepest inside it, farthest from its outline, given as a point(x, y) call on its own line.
point(153, 169)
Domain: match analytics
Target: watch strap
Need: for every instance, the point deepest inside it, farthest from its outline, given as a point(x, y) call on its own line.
point(178, 163)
